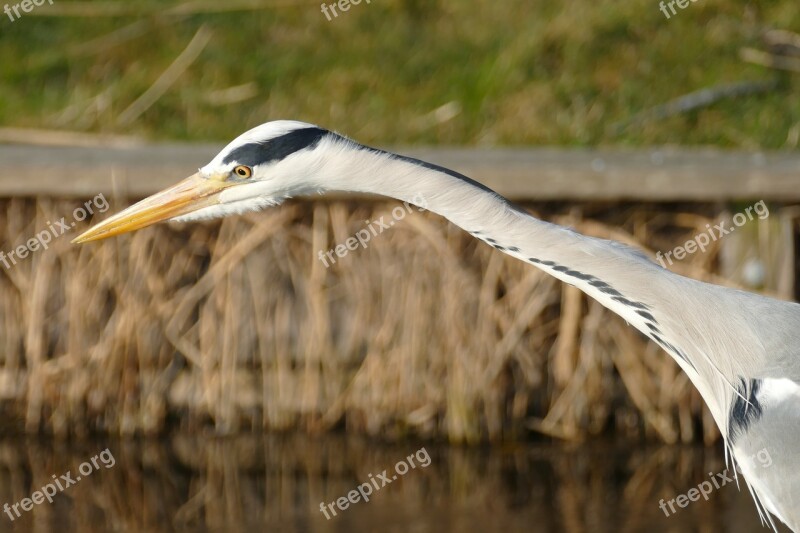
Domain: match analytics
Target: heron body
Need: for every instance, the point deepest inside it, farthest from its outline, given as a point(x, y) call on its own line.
point(739, 349)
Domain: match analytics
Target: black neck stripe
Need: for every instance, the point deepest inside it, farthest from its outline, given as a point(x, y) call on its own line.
point(252, 154)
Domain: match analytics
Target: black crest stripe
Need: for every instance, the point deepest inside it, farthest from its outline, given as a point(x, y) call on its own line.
point(253, 154)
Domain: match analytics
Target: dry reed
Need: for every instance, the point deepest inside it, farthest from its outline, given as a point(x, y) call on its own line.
point(237, 326)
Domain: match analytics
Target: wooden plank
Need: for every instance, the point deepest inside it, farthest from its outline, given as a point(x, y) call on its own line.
point(520, 174)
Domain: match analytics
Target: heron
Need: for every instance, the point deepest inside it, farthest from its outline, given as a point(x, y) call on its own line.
point(739, 349)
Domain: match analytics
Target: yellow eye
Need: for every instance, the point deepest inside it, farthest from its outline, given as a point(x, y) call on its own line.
point(243, 171)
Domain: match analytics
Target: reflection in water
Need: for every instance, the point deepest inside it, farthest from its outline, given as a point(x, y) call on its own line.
point(276, 483)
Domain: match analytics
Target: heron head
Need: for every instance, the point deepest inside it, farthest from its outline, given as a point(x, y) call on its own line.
point(260, 168)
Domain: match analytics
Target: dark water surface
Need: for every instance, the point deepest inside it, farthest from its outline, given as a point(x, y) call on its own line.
point(276, 483)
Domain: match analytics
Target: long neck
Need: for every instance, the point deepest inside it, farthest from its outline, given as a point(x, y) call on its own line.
point(622, 279)
point(590, 264)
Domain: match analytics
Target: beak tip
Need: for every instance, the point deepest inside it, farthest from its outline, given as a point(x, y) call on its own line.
point(80, 239)
point(88, 236)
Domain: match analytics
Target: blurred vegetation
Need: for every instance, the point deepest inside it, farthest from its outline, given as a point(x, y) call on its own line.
point(404, 71)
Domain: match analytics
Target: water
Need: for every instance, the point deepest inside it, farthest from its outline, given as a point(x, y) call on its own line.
point(276, 483)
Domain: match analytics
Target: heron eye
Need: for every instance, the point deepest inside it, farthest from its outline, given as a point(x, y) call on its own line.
point(243, 171)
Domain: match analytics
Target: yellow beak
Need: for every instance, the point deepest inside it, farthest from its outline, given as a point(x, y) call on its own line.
point(191, 194)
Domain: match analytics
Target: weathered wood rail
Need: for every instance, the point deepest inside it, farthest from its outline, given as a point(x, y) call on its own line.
point(667, 174)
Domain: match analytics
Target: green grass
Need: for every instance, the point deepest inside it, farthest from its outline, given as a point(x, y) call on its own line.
point(513, 72)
